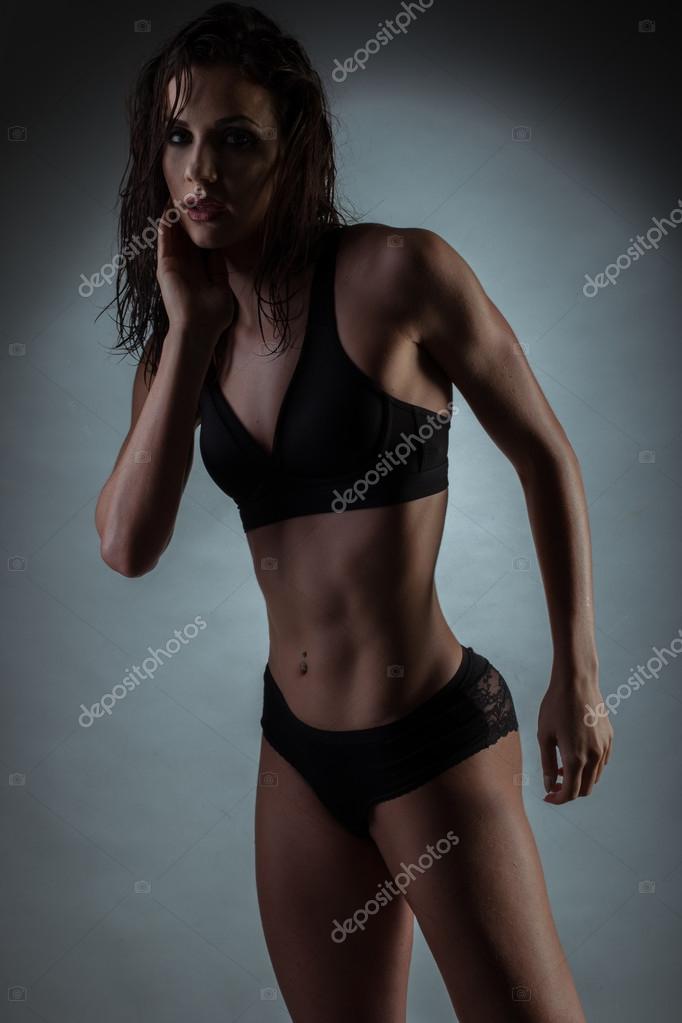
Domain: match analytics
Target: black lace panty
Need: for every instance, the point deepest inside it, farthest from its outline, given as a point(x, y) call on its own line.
point(351, 771)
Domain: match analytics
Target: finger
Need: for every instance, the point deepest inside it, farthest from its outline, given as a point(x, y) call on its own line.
point(176, 239)
point(556, 787)
point(571, 783)
point(589, 775)
point(605, 756)
point(161, 244)
point(165, 240)
point(548, 756)
point(178, 249)
point(600, 767)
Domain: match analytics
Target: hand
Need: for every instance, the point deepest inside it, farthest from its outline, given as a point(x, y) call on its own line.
point(585, 748)
point(194, 282)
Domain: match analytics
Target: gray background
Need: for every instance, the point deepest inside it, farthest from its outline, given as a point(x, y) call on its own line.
point(163, 790)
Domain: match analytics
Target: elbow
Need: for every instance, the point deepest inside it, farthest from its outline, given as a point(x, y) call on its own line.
point(544, 462)
point(131, 550)
point(125, 561)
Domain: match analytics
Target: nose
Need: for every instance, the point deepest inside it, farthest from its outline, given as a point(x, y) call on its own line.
point(201, 166)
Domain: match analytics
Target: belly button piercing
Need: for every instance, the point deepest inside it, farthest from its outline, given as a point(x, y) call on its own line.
point(302, 664)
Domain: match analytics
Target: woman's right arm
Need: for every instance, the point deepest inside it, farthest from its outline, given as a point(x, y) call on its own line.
point(138, 505)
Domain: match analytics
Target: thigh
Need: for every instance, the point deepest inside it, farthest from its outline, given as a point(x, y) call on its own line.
point(310, 871)
point(480, 900)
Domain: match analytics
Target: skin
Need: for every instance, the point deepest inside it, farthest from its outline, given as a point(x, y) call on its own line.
point(354, 592)
point(223, 151)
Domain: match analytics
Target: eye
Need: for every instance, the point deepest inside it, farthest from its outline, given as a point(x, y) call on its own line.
point(171, 135)
point(241, 139)
point(236, 137)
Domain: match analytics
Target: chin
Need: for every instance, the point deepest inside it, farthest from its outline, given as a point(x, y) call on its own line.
point(206, 236)
point(211, 239)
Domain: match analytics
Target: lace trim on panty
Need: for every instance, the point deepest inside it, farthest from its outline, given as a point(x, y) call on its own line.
point(491, 694)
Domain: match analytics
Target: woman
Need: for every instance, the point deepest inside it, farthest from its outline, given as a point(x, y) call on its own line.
point(390, 750)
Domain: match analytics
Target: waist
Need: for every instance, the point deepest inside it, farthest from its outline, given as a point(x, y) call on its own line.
point(347, 601)
point(317, 569)
point(347, 678)
point(278, 715)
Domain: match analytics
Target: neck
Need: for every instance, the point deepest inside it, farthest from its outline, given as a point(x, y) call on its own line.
point(242, 260)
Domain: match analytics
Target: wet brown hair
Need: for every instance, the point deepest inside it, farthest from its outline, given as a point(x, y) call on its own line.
point(304, 203)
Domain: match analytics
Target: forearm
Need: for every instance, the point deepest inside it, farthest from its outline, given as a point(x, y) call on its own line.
point(557, 510)
point(139, 503)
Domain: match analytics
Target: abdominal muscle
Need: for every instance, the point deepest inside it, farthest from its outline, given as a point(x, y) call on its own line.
point(351, 599)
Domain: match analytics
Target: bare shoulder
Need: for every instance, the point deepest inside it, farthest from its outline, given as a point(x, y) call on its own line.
point(400, 272)
point(418, 275)
point(385, 256)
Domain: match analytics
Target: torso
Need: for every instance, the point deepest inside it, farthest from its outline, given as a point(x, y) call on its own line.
point(354, 591)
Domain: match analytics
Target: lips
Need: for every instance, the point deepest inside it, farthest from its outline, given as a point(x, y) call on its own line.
point(205, 214)
point(203, 204)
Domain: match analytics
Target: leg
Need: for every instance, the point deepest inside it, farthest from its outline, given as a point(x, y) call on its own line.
point(309, 871)
point(483, 906)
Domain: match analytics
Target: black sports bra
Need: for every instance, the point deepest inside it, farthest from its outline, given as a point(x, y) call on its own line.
point(340, 443)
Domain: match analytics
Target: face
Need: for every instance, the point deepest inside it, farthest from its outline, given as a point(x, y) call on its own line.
point(223, 145)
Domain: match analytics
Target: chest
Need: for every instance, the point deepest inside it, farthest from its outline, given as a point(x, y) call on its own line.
point(327, 380)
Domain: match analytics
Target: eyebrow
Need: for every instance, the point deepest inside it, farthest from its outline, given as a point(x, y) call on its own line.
point(222, 120)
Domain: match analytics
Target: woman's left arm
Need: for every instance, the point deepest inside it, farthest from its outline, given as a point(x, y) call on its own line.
point(467, 336)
